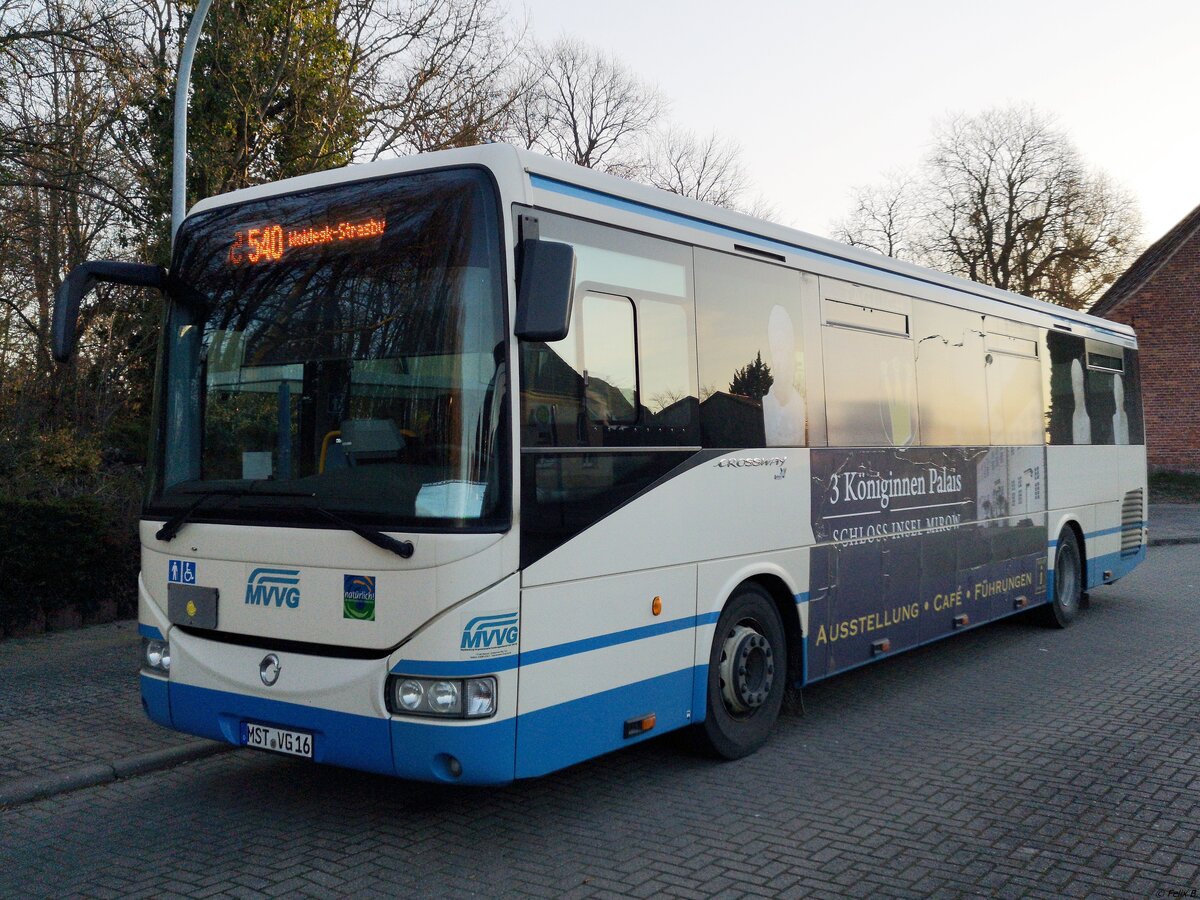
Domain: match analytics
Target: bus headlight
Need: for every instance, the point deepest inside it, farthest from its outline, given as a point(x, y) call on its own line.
point(156, 655)
point(451, 698)
point(481, 697)
point(409, 694)
point(444, 697)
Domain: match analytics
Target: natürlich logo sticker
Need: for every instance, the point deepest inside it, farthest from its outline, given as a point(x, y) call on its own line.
point(358, 597)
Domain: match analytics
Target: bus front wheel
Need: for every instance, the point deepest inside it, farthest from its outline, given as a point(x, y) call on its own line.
point(1068, 581)
point(747, 674)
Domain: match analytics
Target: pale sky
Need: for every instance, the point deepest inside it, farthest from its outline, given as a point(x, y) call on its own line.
point(823, 97)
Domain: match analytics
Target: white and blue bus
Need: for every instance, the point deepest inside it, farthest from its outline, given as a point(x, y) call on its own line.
point(473, 465)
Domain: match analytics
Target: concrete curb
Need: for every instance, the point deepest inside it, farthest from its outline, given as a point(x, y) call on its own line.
point(37, 787)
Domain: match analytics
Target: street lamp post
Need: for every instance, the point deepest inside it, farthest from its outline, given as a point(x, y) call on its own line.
point(179, 140)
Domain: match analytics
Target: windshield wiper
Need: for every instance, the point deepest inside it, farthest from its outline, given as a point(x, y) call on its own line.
point(173, 525)
point(403, 549)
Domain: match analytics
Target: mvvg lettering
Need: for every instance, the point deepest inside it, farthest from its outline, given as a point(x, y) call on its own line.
point(485, 632)
point(273, 587)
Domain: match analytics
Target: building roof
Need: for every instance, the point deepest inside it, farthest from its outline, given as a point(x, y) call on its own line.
point(1144, 267)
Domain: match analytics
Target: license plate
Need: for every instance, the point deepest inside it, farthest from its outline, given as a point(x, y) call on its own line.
point(280, 740)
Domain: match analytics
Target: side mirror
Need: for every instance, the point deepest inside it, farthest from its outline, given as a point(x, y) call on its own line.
point(545, 288)
point(81, 280)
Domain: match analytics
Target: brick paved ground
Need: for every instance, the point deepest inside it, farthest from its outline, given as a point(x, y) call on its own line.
point(71, 698)
point(1009, 761)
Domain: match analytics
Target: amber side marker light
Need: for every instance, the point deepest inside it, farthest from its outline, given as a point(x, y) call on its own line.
point(1021, 602)
point(883, 646)
point(961, 621)
point(656, 606)
point(640, 725)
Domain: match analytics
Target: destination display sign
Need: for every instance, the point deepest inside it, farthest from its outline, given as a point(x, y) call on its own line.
point(268, 242)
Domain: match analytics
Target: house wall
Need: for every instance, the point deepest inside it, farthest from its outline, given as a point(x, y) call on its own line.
point(1165, 311)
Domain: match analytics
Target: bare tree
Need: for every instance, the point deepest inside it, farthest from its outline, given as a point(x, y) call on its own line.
point(435, 73)
point(587, 108)
point(1005, 199)
point(1016, 208)
point(703, 168)
point(707, 168)
point(65, 193)
point(883, 219)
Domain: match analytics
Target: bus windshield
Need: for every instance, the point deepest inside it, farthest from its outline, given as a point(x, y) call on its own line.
point(339, 351)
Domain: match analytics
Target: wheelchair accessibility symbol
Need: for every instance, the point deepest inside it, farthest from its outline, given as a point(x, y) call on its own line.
point(181, 572)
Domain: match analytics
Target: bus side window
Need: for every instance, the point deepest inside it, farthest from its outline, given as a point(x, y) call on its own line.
point(753, 382)
point(624, 375)
point(1094, 393)
point(1013, 383)
point(951, 382)
point(1067, 419)
point(1133, 398)
point(870, 367)
point(1105, 398)
point(609, 359)
point(665, 363)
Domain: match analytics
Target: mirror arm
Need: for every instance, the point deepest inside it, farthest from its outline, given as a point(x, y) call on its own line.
point(81, 280)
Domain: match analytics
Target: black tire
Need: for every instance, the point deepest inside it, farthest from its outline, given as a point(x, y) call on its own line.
point(1068, 582)
point(747, 675)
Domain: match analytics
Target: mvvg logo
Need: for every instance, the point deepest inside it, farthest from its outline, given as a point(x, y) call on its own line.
point(278, 587)
point(490, 632)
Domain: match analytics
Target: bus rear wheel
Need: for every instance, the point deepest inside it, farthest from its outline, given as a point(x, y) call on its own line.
point(747, 674)
point(1068, 581)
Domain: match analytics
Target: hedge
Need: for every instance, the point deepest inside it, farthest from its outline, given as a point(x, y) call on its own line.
point(59, 556)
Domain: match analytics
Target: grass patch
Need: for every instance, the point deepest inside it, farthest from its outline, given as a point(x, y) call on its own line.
point(1174, 487)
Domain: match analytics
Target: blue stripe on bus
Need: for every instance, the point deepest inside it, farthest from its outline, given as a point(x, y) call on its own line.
point(586, 645)
point(450, 669)
point(149, 631)
point(1106, 531)
point(490, 752)
point(339, 738)
point(155, 699)
point(1130, 527)
point(1120, 563)
point(486, 751)
point(551, 738)
point(469, 668)
point(567, 189)
point(410, 748)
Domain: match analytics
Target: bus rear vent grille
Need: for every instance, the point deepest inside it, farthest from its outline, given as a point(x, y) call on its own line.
point(1132, 522)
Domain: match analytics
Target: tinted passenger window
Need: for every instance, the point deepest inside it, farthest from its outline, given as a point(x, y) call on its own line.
point(1132, 388)
point(951, 382)
point(609, 358)
point(753, 386)
point(666, 363)
point(1067, 417)
point(1095, 396)
point(870, 371)
point(625, 374)
point(1014, 384)
point(1107, 425)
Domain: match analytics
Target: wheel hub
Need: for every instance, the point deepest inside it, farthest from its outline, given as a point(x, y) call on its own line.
point(747, 669)
point(1067, 586)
